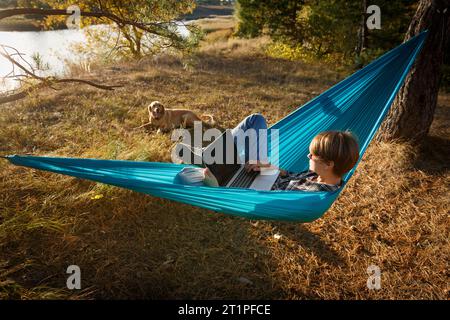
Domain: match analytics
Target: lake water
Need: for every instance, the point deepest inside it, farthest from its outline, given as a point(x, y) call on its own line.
point(55, 48)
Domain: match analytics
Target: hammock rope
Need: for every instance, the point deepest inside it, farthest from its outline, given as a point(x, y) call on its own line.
point(358, 103)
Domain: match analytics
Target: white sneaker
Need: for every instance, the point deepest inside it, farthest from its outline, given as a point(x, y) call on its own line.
point(187, 148)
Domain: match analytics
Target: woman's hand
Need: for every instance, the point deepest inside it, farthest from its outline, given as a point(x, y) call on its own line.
point(256, 166)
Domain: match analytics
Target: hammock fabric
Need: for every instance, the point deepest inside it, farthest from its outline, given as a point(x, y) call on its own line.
point(358, 103)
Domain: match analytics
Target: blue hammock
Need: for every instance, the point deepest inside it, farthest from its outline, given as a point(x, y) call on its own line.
point(358, 103)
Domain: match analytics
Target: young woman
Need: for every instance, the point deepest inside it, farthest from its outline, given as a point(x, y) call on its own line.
point(331, 155)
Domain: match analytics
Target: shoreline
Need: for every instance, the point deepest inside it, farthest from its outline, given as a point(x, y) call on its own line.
point(23, 24)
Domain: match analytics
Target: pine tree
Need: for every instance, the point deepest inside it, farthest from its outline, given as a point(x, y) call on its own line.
point(411, 114)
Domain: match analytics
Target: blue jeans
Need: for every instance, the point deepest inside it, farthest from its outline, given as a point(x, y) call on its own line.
point(251, 149)
point(194, 176)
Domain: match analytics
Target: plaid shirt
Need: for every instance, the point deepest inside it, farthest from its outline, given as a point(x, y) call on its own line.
point(302, 182)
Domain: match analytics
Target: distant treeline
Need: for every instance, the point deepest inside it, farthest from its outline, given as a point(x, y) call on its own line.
point(215, 2)
point(328, 27)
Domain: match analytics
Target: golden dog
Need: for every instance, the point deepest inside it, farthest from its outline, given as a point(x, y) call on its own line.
point(167, 119)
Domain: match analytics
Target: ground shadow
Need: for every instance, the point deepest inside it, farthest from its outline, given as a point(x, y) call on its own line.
point(433, 155)
point(310, 241)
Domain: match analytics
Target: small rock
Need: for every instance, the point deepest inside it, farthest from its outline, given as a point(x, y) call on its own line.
point(277, 236)
point(245, 280)
point(169, 260)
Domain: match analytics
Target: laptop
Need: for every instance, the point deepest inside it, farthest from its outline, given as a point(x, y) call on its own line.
point(229, 168)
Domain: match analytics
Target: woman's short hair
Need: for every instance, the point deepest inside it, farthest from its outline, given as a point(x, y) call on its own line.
point(341, 147)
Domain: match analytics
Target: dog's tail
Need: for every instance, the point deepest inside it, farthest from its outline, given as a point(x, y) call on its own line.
point(211, 121)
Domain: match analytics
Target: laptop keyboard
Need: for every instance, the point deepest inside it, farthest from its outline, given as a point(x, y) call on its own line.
point(244, 179)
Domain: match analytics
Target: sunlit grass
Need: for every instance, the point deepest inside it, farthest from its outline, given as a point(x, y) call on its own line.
point(393, 213)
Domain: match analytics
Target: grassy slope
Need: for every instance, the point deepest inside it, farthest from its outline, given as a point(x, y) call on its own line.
point(393, 213)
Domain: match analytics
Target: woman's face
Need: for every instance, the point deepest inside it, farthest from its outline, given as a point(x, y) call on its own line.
point(318, 165)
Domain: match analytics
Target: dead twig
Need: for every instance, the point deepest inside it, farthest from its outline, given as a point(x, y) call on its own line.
point(30, 74)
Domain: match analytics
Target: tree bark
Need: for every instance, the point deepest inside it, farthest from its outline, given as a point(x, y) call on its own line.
point(362, 32)
point(411, 114)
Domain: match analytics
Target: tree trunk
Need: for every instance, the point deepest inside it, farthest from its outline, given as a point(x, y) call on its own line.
point(362, 32)
point(411, 114)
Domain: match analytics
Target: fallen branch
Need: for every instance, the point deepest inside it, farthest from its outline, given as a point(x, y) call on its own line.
point(143, 126)
point(14, 96)
point(29, 73)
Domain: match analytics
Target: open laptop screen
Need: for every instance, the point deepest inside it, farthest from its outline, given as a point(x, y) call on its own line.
point(222, 169)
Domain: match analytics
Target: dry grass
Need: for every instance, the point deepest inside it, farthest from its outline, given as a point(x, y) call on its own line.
point(393, 213)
